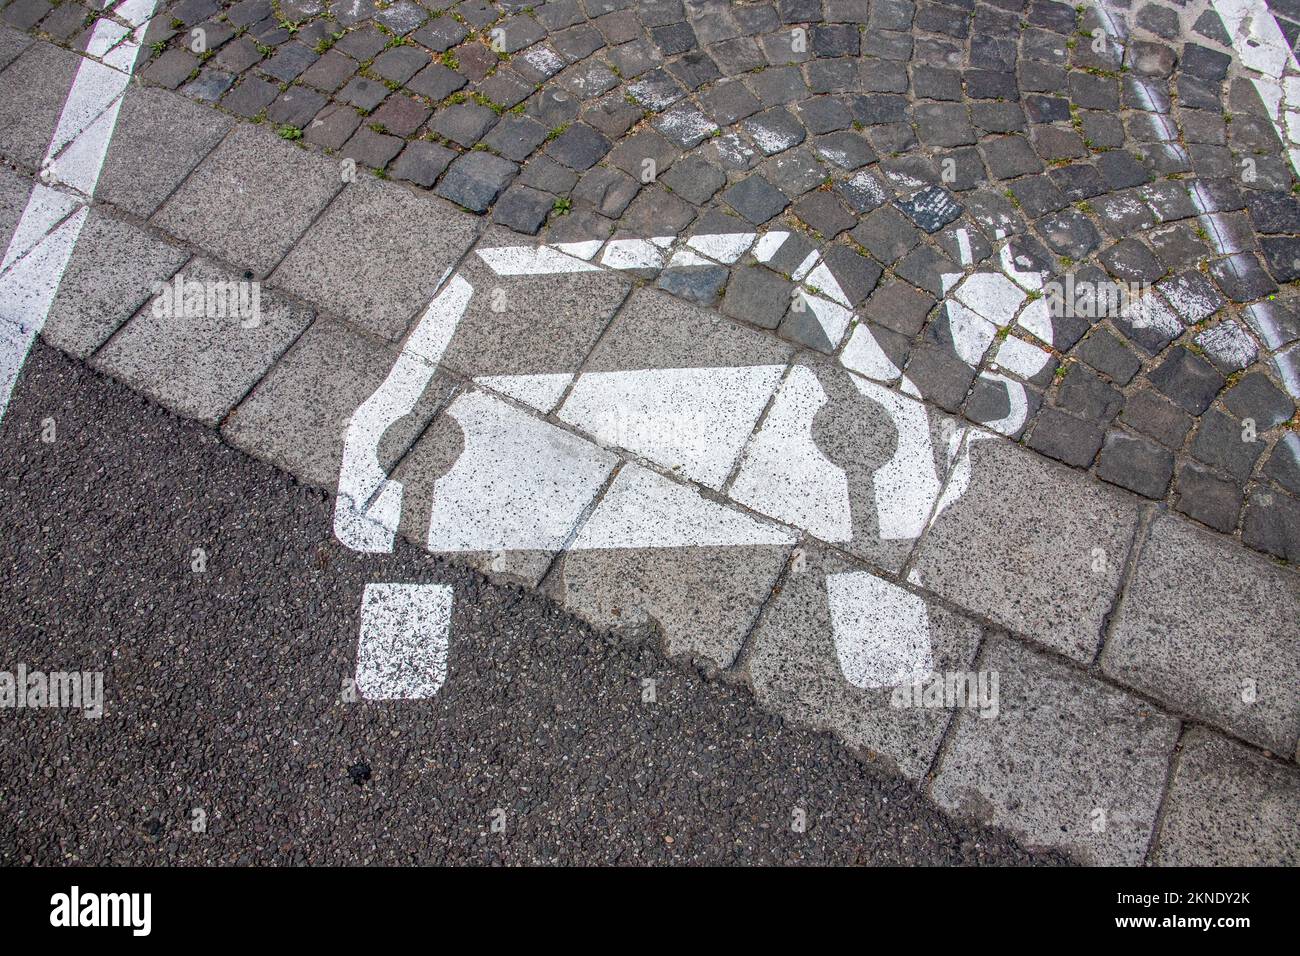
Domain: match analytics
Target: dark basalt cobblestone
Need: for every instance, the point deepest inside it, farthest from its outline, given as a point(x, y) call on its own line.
point(907, 141)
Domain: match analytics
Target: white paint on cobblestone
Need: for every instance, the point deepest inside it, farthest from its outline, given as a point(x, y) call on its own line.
point(833, 318)
point(1265, 324)
point(992, 295)
point(1150, 312)
point(1229, 345)
point(822, 279)
point(805, 267)
point(1020, 357)
point(544, 60)
point(685, 258)
point(405, 632)
point(1018, 405)
point(881, 631)
point(1036, 319)
point(582, 250)
point(723, 247)
point(971, 334)
point(632, 254)
point(864, 355)
point(768, 245)
point(533, 261)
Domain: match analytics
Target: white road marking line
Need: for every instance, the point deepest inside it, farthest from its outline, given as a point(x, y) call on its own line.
point(405, 633)
point(87, 120)
point(881, 631)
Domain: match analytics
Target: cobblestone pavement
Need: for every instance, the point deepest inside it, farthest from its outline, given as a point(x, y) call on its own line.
point(905, 142)
point(776, 261)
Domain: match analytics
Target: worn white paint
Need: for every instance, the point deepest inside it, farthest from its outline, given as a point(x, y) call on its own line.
point(1150, 312)
point(1017, 402)
point(643, 509)
point(1020, 357)
point(907, 485)
point(686, 257)
point(809, 262)
point(784, 474)
point(519, 484)
point(769, 243)
point(864, 355)
point(27, 291)
point(632, 254)
point(824, 281)
point(992, 295)
point(581, 250)
point(405, 632)
point(881, 631)
point(971, 334)
point(532, 261)
point(693, 421)
point(833, 318)
point(1036, 319)
point(722, 247)
point(542, 392)
point(369, 503)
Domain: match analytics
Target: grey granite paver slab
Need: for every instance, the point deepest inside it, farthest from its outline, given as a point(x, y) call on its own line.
point(1229, 806)
point(201, 365)
point(376, 255)
point(1068, 763)
point(702, 597)
point(297, 416)
point(44, 75)
point(1214, 631)
point(655, 330)
point(251, 199)
point(801, 667)
point(111, 273)
point(1036, 548)
point(12, 43)
point(530, 324)
point(15, 188)
point(137, 174)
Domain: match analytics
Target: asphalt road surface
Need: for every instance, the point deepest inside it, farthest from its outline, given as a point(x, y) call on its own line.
point(223, 690)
